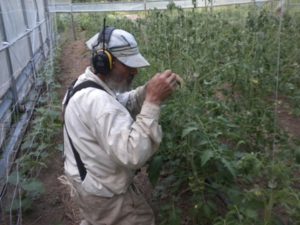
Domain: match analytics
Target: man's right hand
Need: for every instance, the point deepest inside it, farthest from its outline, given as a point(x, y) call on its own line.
point(161, 86)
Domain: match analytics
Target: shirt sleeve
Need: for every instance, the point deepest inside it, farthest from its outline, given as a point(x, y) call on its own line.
point(129, 142)
point(133, 100)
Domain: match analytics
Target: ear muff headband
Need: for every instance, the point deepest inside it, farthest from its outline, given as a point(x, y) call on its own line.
point(104, 36)
point(110, 59)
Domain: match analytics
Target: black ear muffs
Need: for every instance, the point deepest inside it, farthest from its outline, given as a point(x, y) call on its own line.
point(102, 60)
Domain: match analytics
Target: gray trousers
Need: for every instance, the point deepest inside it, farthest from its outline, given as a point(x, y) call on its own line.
point(129, 208)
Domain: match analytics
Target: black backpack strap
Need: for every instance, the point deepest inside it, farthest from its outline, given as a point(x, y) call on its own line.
point(71, 91)
point(80, 165)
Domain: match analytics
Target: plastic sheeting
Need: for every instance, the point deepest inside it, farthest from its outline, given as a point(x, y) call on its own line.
point(22, 26)
point(13, 19)
point(4, 77)
point(31, 13)
point(23, 34)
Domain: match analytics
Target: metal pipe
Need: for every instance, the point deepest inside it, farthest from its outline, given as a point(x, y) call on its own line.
point(136, 6)
point(40, 30)
point(8, 44)
point(73, 26)
point(47, 18)
point(28, 38)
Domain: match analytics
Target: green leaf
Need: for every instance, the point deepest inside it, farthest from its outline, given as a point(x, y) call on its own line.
point(250, 213)
point(155, 168)
point(60, 147)
point(241, 142)
point(272, 184)
point(27, 144)
point(174, 216)
point(207, 155)
point(34, 186)
point(26, 204)
point(13, 178)
point(188, 130)
point(228, 166)
point(297, 155)
point(42, 146)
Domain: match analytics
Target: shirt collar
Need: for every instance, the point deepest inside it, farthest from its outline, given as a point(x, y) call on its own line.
point(89, 75)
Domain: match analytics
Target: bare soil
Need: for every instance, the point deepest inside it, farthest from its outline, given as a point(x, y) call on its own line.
point(56, 207)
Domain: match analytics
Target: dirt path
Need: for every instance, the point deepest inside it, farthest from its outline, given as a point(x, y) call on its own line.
point(55, 207)
point(287, 121)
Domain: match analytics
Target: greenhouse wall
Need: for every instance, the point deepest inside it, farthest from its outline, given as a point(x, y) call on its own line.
point(26, 37)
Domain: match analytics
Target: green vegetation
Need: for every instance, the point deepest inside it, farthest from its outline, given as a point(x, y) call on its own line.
point(222, 141)
point(38, 143)
point(224, 159)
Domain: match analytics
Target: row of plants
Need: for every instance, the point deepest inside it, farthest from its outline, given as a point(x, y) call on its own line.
point(231, 151)
point(221, 129)
point(37, 146)
point(224, 159)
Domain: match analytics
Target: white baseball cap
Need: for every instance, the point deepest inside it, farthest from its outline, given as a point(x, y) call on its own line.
point(123, 46)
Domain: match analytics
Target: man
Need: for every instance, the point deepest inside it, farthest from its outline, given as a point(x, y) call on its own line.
point(114, 131)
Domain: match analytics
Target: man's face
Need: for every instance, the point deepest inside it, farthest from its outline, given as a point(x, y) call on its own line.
point(120, 77)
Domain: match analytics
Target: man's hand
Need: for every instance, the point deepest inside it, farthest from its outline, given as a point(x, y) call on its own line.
point(161, 86)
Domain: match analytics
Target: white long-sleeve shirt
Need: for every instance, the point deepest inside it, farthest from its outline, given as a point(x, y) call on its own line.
point(111, 144)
